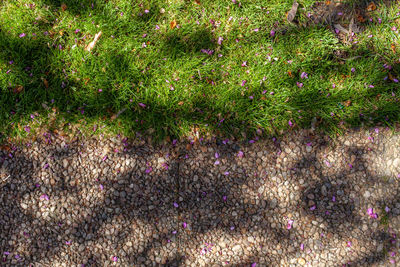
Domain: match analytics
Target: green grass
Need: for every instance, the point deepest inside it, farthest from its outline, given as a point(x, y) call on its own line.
point(140, 59)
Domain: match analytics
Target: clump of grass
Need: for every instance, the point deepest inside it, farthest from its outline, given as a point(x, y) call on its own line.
point(177, 65)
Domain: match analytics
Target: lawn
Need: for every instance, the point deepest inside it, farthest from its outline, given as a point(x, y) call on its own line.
point(170, 69)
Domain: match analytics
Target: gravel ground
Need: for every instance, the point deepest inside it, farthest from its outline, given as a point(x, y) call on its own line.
point(298, 200)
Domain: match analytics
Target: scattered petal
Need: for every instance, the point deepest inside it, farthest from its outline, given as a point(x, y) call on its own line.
point(290, 224)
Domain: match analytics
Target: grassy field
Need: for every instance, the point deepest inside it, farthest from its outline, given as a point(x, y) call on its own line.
point(178, 67)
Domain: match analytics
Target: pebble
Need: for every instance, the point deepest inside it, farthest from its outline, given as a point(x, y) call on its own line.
point(240, 217)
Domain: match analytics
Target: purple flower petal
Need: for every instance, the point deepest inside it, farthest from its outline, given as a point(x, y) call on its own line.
point(272, 33)
point(176, 205)
point(240, 154)
point(22, 35)
point(290, 123)
point(115, 259)
point(216, 162)
point(387, 209)
point(243, 82)
point(224, 198)
point(299, 84)
point(184, 224)
point(216, 155)
point(304, 75)
point(142, 105)
point(290, 224)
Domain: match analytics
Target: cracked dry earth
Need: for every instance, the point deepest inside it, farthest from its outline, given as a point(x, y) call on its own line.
point(298, 200)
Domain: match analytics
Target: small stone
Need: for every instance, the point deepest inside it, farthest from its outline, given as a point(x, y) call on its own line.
point(65, 163)
point(367, 194)
point(237, 248)
point(24, 206)
point(301, 261)
point(396, 162)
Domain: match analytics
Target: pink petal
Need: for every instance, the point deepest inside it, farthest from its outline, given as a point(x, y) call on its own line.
point(184, 224)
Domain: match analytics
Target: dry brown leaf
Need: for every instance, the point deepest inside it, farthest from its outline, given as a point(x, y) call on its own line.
point(292, 13)
point(197, 2)
point(328, 3)
point(18, 89)
point(371, 6)
point(188, 147)
point(180, 103)
point(360, 18)
point(172, 24)
point(290, 74)
point(63, 7)
point(347, 103)
point(90, 46)
point(5, 148)
point(393, 47)
point(46, 83)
